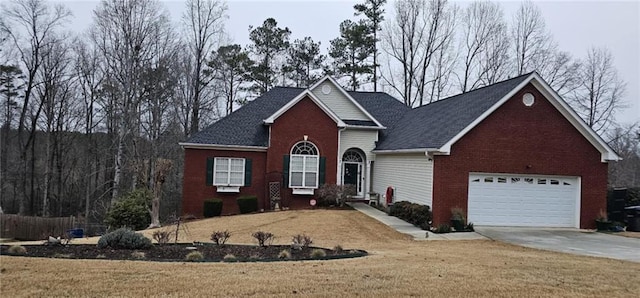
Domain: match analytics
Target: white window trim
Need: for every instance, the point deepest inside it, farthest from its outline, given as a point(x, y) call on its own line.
point(228, 187)
point(298, 189)
point(303, 191)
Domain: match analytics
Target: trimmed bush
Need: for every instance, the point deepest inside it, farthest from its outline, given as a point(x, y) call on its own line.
point(264, 238)
point(212, 207)
point(138, 255)
point(248, 204)
point(124, 239)
point(416, 214)
point(229, 258)
point(17, 250)
point(194, 256)
point(284, 254)
point(220, 237)
point(130, 211)
point(318, 253)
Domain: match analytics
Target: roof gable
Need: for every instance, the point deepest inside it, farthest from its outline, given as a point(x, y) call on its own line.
point(295, 100)
point(437, 126)
point(341, 102)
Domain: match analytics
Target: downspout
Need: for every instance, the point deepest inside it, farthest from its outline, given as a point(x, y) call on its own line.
point(339, 156)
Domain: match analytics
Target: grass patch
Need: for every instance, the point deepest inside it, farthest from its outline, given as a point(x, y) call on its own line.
point(396, 267)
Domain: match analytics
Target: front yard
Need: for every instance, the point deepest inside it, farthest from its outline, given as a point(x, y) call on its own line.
point(396, 266)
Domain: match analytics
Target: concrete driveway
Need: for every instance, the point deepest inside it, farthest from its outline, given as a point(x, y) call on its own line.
point(571, 241)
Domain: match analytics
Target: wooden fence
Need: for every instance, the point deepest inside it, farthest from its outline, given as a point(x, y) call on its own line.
point(34, 228)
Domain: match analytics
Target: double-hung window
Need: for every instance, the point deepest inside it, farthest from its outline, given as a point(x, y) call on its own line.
point(304, 167)
point(228, 171)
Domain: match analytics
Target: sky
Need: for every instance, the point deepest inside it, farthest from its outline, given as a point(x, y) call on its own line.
point(575, 25)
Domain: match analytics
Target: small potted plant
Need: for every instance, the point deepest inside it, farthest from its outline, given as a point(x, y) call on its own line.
point(457, 219)
point(602, 221)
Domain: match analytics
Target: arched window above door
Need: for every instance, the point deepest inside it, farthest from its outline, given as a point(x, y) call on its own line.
point(352, 156)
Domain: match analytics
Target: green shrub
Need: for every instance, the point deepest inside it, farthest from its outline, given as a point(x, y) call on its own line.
point(248, 204)
point(17, 250)
point(194, 256)
point(130, 211)
point(124, 238)
point(318, 253)
point(416, 214)
point(212, 207)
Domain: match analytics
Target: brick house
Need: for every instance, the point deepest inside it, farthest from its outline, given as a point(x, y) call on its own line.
point(510, 154)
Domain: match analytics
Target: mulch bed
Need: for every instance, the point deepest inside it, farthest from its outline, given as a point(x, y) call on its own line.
point(177, 252)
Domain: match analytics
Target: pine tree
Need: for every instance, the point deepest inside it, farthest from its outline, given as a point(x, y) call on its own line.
point(269, 41)
point(373, 10)
point(230, 66)
point(302, 59)
point(351, 51)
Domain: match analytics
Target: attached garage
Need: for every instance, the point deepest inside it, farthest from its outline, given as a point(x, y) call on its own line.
point(523, 200)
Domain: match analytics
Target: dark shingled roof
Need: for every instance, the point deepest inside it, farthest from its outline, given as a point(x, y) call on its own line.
point(429, 126)
point(245, 127)
point(385, 108)
point(433, 125)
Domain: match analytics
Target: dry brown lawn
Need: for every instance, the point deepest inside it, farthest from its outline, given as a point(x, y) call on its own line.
point(396, 267)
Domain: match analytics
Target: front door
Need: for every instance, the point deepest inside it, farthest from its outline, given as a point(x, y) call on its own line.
point(352, 175)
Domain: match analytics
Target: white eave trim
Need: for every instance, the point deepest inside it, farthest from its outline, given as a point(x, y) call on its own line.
point(365, 127)
point(297, 99)
point(401, 151)
point(607, 154)
point(353, 101)
point(222, 147)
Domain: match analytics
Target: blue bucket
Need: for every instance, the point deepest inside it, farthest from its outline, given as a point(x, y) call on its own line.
point(76, 233)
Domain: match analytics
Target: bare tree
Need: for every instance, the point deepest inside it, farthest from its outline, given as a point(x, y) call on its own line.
point(204, 23)
point(123, 31)
point(89, 72)
point(599, 94)
point(625, 140)
point(55, 93)
point(419, 31)
point(28, 25)
point(530, 37)
point(560, 70)
point(482, 44)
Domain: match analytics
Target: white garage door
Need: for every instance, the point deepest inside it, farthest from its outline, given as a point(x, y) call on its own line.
point(519, 200)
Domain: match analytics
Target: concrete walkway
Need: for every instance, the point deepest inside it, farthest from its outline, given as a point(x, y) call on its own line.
point(573, 241)
point(409, 229)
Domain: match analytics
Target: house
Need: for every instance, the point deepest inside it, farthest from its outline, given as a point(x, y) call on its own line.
point(509, 154)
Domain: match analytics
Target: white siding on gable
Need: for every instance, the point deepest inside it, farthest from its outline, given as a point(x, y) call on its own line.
point(410, 174)
point(338, 102)
point(364, 140)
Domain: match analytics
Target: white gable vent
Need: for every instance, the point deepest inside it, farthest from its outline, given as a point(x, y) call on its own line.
point(326, 89)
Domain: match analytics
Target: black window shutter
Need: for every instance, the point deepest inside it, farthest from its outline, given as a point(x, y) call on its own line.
point(247, 172)
point(209, 176)
point(285, 171)
point(322, 166)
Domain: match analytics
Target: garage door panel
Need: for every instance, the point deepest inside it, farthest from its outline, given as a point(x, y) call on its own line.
point(519, 200)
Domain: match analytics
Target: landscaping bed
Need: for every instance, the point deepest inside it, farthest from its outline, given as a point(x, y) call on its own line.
point(178, 252)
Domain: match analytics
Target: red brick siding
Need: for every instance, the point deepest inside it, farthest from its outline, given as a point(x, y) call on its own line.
point(522, 140)
point(195, 189)
point(305, 118)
